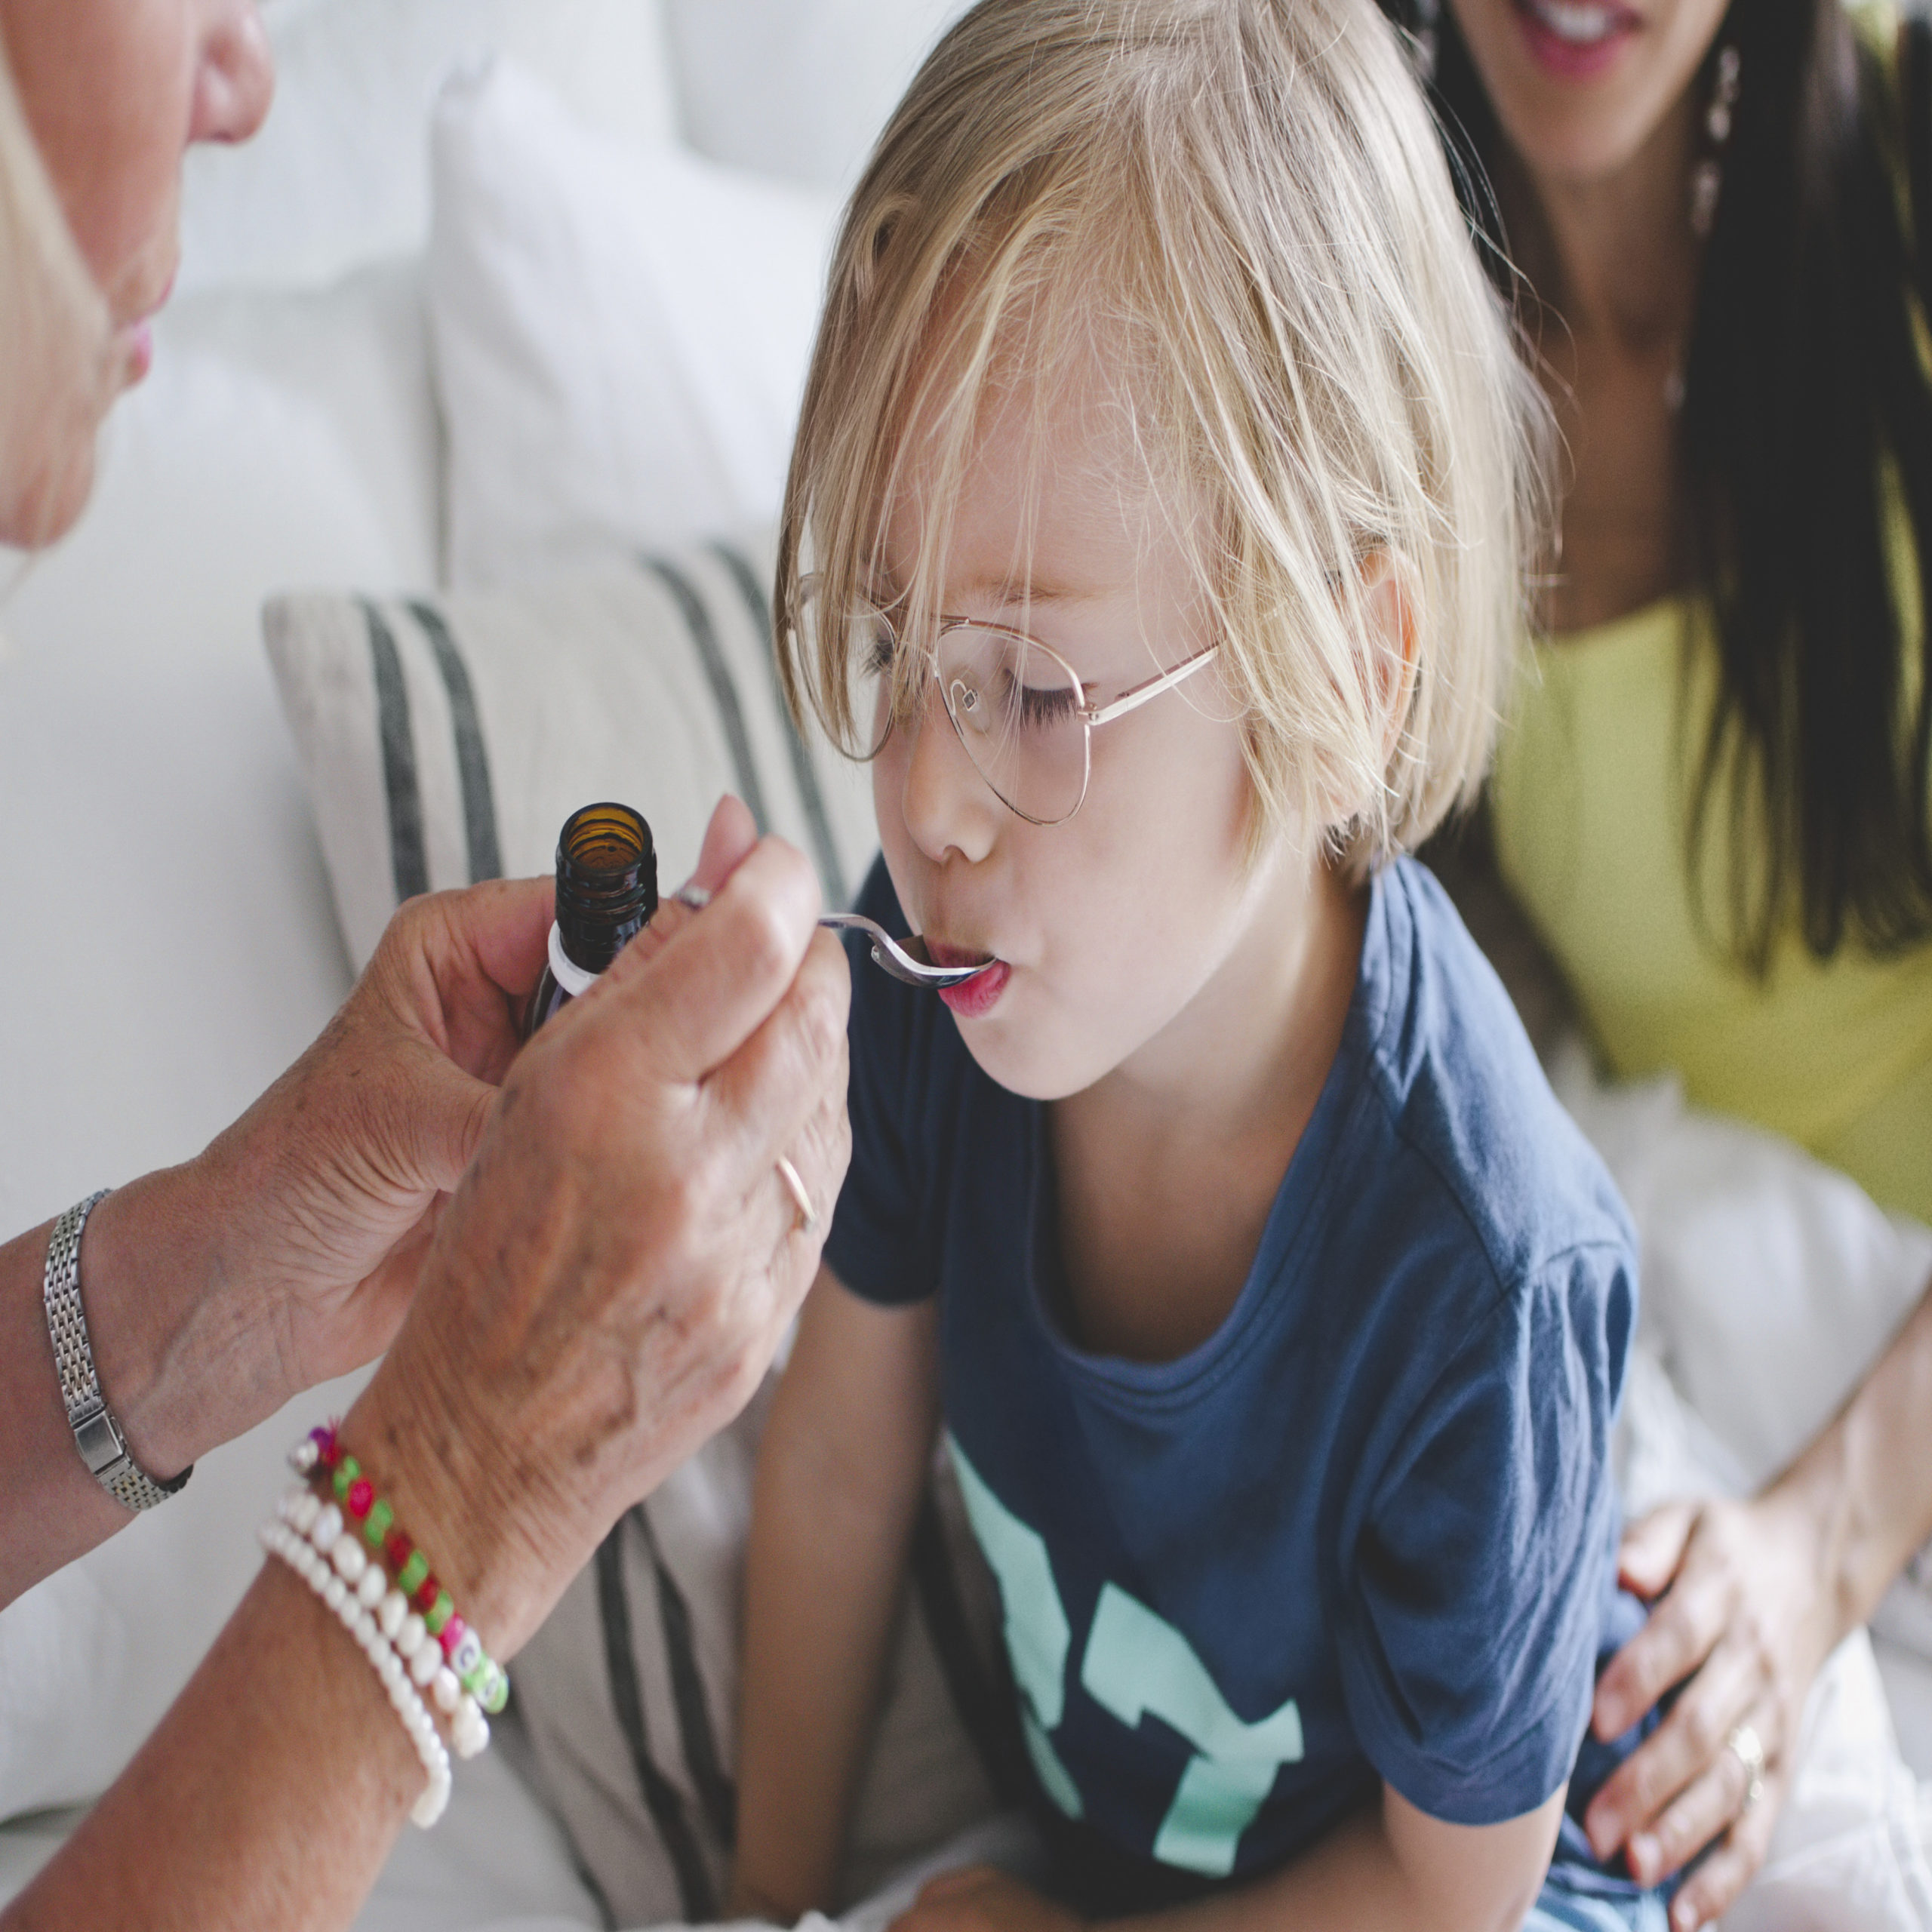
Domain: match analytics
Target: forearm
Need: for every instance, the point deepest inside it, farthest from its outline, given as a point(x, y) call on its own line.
point(269, 1795)
point(1354, 1881)
point(823, 1574)
point(1862, 1491)
point(181, 1368)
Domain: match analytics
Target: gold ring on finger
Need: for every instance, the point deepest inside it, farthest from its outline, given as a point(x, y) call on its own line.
point(1748, 1748)
point(808, 1213)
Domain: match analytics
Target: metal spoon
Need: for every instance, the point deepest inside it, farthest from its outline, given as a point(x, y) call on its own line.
point(905, 959)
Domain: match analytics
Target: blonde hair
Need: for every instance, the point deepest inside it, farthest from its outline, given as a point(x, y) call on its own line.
point(1248, 201)
point(56, 369)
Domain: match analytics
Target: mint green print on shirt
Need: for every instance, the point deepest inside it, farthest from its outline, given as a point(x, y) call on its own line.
point(1038, 1634)
point(1137, 1663)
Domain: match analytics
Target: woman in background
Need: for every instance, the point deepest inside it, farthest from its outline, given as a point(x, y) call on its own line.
point(541, 1374)
point(1713, 802)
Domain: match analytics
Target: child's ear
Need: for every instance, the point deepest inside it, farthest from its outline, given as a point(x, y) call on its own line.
point(1389, 608)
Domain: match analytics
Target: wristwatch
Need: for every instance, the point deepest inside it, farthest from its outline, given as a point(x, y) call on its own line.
point(97, 1434)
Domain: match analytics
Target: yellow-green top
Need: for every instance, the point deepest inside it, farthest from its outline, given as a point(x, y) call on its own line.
point(1589, 797)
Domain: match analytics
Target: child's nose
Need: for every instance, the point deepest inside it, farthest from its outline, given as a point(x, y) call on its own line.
point(947, 805)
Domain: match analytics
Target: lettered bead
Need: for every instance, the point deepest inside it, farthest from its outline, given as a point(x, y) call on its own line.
point(390, 1615)
point(448, 1692)
point(326, 1526)
point(349, 1557)
point(373, 1587)
point(411, 1638)
point(494, 1692)
point(424, 1664)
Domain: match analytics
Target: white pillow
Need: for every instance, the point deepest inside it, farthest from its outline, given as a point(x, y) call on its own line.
point(801, 90)
point(446, 740)
point(621, 334)
point(340, 174)
point(628, 1694)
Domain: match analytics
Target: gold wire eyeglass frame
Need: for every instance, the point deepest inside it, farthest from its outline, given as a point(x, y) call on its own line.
point(1090, 715)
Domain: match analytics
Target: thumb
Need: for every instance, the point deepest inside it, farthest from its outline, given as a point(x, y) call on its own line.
point(444, 1112)
point(1654, 1549)
point(727, 838)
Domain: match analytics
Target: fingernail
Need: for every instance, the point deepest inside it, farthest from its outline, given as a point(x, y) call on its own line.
point(1644, 1855)
point(1684, 1916)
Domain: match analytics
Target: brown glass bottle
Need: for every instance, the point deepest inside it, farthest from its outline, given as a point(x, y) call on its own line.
point(606, 890)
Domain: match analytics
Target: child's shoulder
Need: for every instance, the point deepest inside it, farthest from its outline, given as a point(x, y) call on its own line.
point(1459, 1086)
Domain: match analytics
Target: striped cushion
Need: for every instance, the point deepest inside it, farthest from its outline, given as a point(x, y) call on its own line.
point(446, 739)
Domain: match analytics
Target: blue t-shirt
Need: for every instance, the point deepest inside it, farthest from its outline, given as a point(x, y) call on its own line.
point(1367, 1530)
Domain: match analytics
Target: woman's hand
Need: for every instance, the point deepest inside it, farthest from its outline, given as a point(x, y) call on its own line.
point(1744, 1611)
point(309, 1219)
point(978, 1898)
point(609, 1281)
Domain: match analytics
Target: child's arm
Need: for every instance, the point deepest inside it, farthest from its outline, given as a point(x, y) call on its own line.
point(1389, 1868)
point(844, 1463)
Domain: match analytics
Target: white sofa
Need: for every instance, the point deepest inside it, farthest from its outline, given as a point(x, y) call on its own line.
point(173, 944)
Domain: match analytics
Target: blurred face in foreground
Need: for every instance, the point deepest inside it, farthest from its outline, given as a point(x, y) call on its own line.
point(115, 91)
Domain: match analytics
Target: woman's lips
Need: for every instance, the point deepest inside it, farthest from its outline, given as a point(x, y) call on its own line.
point(974, 998)
point(1576, 39)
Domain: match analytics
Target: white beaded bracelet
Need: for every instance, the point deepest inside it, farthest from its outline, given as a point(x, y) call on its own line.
point(281, 1540)
point(323, 1526)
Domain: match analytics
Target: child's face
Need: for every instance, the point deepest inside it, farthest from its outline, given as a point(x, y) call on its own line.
point(1129, 933)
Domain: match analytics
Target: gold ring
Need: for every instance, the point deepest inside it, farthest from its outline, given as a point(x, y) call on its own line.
point(808, 1213)
point(1748, 1748)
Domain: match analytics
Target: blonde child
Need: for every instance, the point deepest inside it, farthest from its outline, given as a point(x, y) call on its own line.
point(1158, 526)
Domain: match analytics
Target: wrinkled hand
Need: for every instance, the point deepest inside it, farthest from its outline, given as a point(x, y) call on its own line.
point(978, 1898)
point(1742, 1612)
point(327, 1191)
point(616, 1268)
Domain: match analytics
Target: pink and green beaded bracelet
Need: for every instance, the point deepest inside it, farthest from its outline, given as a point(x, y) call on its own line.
point(321, 1458)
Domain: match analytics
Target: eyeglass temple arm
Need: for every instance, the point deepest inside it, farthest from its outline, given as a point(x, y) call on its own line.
point(1132, 700)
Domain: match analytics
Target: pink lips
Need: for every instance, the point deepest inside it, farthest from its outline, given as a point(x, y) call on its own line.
point(973, 999)
point(1570, 59)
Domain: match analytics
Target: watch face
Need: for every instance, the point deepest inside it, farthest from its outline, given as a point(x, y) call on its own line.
point(100, 1441)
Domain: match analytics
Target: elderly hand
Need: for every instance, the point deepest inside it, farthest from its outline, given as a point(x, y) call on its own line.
point(1743, 1619)
point(615, 1271)
point(977, 1898)
point(294, 1242)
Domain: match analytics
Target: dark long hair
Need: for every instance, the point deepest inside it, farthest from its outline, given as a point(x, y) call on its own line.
point(1805, 391)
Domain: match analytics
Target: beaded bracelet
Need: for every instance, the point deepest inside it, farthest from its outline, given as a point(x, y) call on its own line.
point(299, 1552)
point(473, 1675)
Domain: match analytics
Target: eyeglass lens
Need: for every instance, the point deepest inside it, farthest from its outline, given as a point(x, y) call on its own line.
point(1017, 709)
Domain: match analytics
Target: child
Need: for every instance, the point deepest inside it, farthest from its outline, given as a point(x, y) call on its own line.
point(1168, 479)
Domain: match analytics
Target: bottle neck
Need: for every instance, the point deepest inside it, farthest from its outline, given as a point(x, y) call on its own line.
point(607, 883)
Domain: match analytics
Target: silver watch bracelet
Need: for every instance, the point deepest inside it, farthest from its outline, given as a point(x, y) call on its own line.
point(97, 1435)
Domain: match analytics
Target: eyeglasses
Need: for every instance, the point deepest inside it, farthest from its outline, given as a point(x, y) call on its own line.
point(1016, 705)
